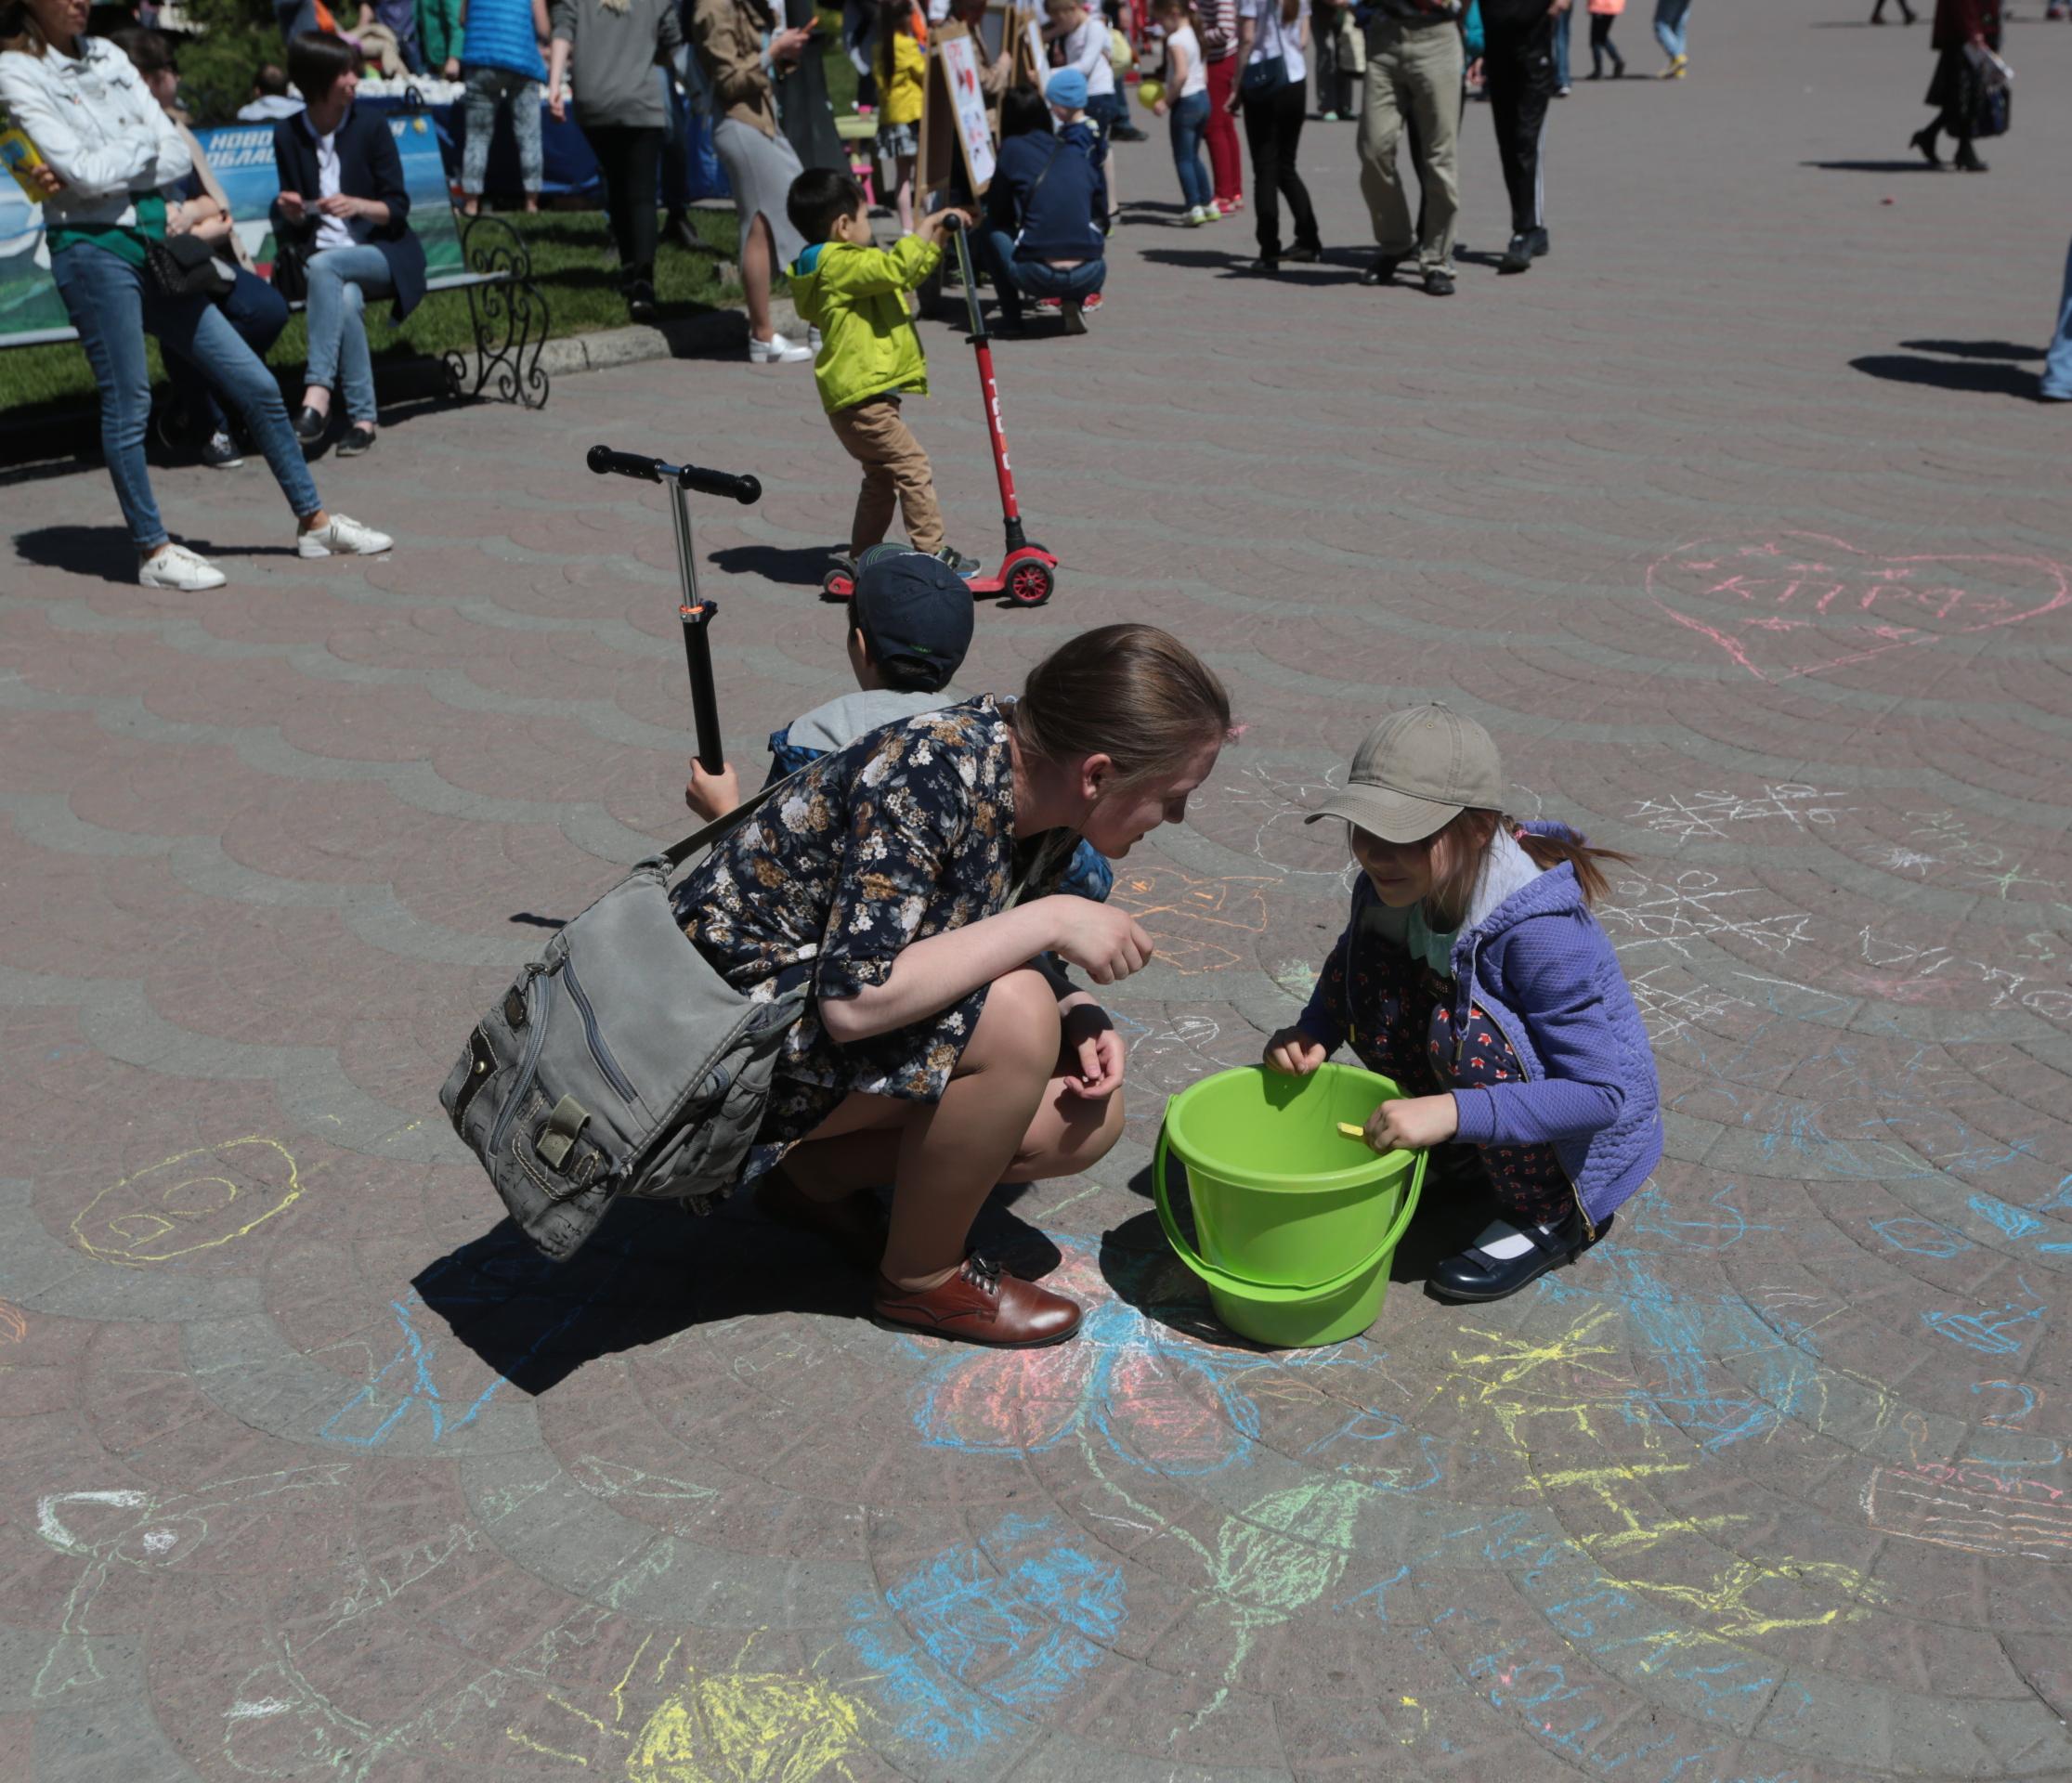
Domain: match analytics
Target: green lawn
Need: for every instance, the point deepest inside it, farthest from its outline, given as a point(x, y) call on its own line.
point(572, 264)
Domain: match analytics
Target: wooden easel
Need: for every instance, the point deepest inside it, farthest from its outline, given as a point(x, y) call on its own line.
point(944, 140)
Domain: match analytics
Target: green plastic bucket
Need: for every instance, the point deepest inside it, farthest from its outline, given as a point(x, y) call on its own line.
point(1299, 1223)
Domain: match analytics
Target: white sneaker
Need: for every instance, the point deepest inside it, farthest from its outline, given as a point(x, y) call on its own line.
point(776, 350)
point(176, 566)
point(813, 339)
point(1200, 215)
point(342, 536)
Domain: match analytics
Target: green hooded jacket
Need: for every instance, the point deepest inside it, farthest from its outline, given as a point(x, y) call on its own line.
point(856, 297)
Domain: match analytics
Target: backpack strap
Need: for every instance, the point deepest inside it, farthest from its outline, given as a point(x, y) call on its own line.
point(719, 826)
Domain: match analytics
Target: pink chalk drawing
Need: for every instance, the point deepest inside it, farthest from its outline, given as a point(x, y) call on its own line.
point(1803, 603)
point(1133, 1385)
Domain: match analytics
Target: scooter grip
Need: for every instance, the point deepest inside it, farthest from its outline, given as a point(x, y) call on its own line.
point(743, 489)
point(607, 463)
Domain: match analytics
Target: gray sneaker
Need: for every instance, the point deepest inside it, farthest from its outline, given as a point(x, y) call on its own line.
point(965, 567)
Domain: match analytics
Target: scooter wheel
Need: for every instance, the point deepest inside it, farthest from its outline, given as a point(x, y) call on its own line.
point(837, 585)
point(1031, 584)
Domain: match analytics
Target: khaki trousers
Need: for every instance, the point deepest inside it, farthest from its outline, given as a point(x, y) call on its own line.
point(895, 469)
point(1412, 70)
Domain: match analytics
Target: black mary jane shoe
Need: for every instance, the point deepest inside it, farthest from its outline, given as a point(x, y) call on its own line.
point(311, 427)
point(1472, 1275)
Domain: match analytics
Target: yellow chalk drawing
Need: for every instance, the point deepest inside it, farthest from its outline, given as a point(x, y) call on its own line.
point(1726, 1598)
point(194, 1201)
point(734, 1728)
point(670, 1722)
point(14, 1322)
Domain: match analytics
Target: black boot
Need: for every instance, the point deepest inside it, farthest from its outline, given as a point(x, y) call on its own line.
point(1924, 141)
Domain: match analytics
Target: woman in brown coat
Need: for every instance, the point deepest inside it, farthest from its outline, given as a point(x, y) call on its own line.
point(1959, 25)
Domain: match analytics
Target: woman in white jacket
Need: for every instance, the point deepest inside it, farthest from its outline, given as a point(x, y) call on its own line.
point(109, 150)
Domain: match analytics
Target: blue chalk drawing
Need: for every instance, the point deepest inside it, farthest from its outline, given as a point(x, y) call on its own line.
point(410, 1368)
point(2011, 1220)
point(973, 1642)
point(1720, 1230)
point(410, 1374)
point(1921, 1237)
point(1359, 1446)
point(1992, 1333)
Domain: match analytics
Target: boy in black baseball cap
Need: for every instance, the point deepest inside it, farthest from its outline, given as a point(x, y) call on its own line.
point(911, 624)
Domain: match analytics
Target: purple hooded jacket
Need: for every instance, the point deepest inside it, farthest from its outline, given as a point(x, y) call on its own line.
point(1539, 964)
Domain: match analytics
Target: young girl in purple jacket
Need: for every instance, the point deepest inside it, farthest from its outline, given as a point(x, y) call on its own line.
point(1473, 973)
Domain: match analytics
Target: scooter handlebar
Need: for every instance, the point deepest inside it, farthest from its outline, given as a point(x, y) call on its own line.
point(607, 463)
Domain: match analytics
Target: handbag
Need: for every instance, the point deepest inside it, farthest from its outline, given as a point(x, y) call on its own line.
point(1988, 92)
point(1265, 77)
point(618, 1063)
point(290, 274)
point(184, 265)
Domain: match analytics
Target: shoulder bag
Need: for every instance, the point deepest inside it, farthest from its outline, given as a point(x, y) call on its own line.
point(617, 1064)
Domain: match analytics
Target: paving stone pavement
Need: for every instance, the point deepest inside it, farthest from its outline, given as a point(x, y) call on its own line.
point(310, 1471)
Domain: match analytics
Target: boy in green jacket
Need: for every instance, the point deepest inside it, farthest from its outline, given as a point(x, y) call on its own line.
point(854, 292)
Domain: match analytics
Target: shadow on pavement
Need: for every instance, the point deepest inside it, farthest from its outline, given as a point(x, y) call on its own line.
point(1874, 166)
point(1974, 349)
point(86, 551)
point(1987, 378)
point(653, 1270)
point(797, 566)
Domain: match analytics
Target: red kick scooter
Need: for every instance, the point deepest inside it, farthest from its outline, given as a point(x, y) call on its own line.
point(1027, 572)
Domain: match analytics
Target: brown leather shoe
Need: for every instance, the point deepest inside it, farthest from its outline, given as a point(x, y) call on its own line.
point(856, 1225)
point(981, 1305)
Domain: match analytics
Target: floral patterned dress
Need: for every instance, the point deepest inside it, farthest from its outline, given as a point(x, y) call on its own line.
point(907, 832)
point(1397, 1013)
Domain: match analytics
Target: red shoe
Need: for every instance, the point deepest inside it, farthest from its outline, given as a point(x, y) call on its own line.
point(1090, 303)
point(1051, 304)
point(980, 1303)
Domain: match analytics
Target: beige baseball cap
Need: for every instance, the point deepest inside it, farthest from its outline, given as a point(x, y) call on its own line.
point(1415, 772)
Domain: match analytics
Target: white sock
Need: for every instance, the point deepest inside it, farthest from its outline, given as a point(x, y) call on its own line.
point(1501, 1241)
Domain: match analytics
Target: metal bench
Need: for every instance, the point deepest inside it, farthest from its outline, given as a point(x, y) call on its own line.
point(507, 309)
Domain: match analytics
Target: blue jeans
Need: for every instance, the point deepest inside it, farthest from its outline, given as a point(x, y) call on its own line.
point(258, 313)
point(1187, 120)
point(1561, 27)
point(1106, 113)
point(1669, 31)
point(340, 280)
point(2057, 364)
point(112, 305)
point(1013, 279)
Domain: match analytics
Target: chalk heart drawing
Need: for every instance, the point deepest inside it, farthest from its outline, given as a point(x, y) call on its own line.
point(194, 1201)
point(1802, 604)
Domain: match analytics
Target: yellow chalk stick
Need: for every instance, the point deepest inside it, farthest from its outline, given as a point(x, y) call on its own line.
point(1350, 1131)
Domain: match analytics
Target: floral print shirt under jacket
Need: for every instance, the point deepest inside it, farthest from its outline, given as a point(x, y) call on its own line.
point(907, 832)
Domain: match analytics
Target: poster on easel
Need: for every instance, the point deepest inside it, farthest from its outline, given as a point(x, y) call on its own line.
point(954, 116)
point(1031, 55)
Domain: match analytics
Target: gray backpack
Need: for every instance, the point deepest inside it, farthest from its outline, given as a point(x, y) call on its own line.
point(617, 1064)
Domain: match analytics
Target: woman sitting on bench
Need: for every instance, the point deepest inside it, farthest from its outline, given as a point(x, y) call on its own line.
point(341, 201)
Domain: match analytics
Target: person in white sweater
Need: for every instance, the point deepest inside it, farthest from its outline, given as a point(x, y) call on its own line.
point(109, 152)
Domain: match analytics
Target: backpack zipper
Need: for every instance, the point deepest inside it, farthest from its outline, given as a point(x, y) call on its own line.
point(598, 1049)
point(536, 1020)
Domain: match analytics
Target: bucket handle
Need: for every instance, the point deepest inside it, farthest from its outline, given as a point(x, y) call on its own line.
point(1237, 1283)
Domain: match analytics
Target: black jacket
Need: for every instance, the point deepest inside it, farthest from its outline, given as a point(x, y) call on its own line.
point(367, 167)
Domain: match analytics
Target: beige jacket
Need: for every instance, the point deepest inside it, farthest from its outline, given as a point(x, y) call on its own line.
point(729, 36)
